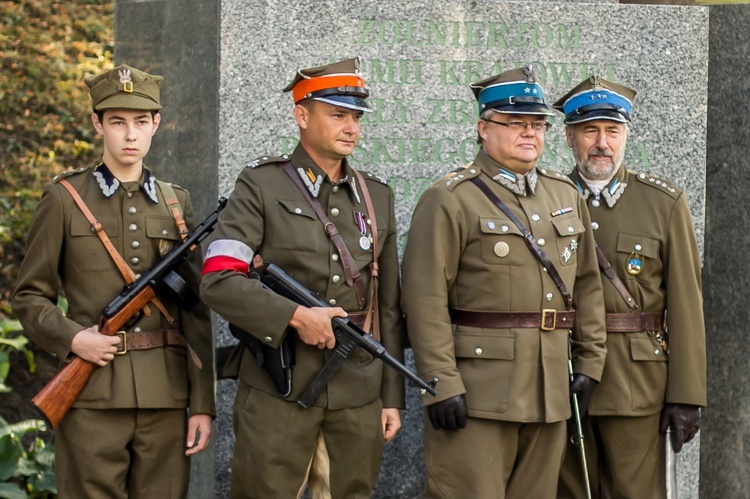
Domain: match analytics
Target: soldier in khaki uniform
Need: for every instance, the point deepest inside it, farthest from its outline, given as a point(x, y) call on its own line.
point(268, 214)
point(487, 318)
point(651, 381)
point(128, 434)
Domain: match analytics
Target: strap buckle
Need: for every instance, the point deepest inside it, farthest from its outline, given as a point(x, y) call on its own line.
point(547, 312)
point(123, 348)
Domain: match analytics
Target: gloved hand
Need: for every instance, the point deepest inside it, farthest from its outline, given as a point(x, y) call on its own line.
point(684, 420)
point(450, 414)
point(583, 387)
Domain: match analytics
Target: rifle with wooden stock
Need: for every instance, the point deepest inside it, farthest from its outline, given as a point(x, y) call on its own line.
point(56, 398)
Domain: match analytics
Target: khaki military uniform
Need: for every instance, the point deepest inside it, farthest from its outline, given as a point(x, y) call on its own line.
point(464, 253)
point(268, 215)
point(642, 217)
point(160, 382)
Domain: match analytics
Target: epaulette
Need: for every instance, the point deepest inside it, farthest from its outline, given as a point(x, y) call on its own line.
point(553, 174)
point(68, 173)
point(267, 160)
point(370, 176)
point(658, 184)
point(452, 179)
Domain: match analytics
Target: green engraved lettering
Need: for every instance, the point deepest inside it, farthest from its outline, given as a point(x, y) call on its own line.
point(436, 111)
point(433, 30)
point(568, 40)
point(474, 71)
point(473, 33)
point(497, 32)
point(365, 28)
point(389, 32)
point(380, 152)
point(561, 73)
point(448, 75)
point(542, 36)
point(520, 40)
point(409, 35)
point(449, 156)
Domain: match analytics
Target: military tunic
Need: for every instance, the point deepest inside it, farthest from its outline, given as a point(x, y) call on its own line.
point(464, 253)
point(268, 215)
point(62, 248)
point(642, 217)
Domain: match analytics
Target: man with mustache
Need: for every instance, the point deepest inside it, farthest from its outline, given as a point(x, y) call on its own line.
point(490, 316)
point(655, 374)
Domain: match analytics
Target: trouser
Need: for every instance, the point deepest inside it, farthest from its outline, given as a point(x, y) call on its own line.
point(494, 460)
point(122, 453)
point(625, 459)
point(276, 439)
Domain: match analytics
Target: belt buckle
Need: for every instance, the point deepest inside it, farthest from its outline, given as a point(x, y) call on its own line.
point(545, 313)
point(123, 348)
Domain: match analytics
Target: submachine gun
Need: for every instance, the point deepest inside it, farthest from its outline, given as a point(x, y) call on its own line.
point(278, 362)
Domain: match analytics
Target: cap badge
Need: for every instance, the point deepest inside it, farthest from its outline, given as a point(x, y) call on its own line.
point(596, 82)
point(126, 80)
point(528, 72)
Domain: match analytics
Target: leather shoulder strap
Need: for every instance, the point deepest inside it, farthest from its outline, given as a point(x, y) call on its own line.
point(615, 279)
point(373, 313)
point(530, 242)
point(351, 270)
point(174, 207)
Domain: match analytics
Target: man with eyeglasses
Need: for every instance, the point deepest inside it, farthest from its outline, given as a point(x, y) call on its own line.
point(644, 229)
point(490, 310)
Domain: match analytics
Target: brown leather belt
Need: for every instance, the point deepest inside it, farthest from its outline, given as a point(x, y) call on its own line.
point(357, 318)
point(546, 320)
point(144, 340)
point(634, 322)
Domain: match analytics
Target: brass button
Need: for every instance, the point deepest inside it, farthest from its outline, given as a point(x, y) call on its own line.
point(335, 257)
point(132, 210)
point(502, 249)
point(334, 212)
point(132, 227)
point(135, 260)
point(298, 210)
point(164, 232)
point(268, 339)
point(535, 217)
point(594, 225)
point(336, 279)
point(135, 245)
point(137, 329)
point(332, 302)
point(504, 228)
point(548, 296)
point(335, 188)
point(541, 241)
point(595, 203)
point(638, 247)
point(478, 351)
point(570, 228)
point(130, 195)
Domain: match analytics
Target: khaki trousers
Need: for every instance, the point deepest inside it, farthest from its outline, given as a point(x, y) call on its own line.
point(494, 460)
point(625, 459)
point(276, 440)
point(122, 453)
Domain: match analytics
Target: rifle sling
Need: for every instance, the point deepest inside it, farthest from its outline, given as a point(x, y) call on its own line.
point(530, 242)
point(351, 271)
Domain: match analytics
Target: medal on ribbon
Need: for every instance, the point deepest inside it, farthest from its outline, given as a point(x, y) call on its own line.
point(634, 264)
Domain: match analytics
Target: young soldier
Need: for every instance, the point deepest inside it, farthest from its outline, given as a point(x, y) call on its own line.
point(491, 317)
point(651, 381)
point(128, 433)
point(285, 208)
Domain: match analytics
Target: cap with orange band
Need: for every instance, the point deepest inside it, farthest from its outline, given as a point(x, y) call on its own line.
point(338, 84)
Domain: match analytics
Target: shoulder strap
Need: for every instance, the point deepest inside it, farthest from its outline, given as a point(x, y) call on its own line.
point(530, 242)
point(373, 315)
point(351, 270)
point(173, 205)
point(615, 279)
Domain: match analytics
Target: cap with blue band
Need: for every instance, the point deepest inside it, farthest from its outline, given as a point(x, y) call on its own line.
point(515, 91)
point(596, 99)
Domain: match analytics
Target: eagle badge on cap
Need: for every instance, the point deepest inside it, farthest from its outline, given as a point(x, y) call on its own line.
point(126, 79)
point(596, 82)
point(528, 72)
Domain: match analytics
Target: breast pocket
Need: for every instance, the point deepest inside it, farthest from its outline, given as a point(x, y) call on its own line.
point(502, 242)
point(87, 252)
point(163, 235)
point(295, 227)
point(568, 231)
point(638, 255)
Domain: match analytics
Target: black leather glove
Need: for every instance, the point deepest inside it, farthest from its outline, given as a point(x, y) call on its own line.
point(450, 414)
point(583, 387)
point(684, 420)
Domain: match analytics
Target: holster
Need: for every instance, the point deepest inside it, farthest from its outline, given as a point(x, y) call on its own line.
point(277, 362)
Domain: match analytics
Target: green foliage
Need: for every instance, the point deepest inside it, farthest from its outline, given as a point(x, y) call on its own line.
point(11, 340)
point(47, 48)
point(25, 473)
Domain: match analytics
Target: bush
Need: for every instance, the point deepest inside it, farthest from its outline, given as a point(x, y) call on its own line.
point(25, 473)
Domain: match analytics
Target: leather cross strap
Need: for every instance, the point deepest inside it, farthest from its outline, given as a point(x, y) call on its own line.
point(146, 340)
point(351, 270)
point(373, 313)
point(615, 280)
point(546, 320)
point(127, 272)
point(634, 322)
point(530, 242)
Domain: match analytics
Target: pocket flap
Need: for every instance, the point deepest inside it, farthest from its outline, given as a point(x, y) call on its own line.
point(484, 346)
point(645, 349)
point(633, 243)
point(296, 207)
point(498, 226)
point(79, 226)
point(569, 226)
point(162, 228)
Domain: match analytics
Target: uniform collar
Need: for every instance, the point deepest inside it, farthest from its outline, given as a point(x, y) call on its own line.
point(611, 193)
point(313, 176)
point(521, 184)
point(109, 184)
